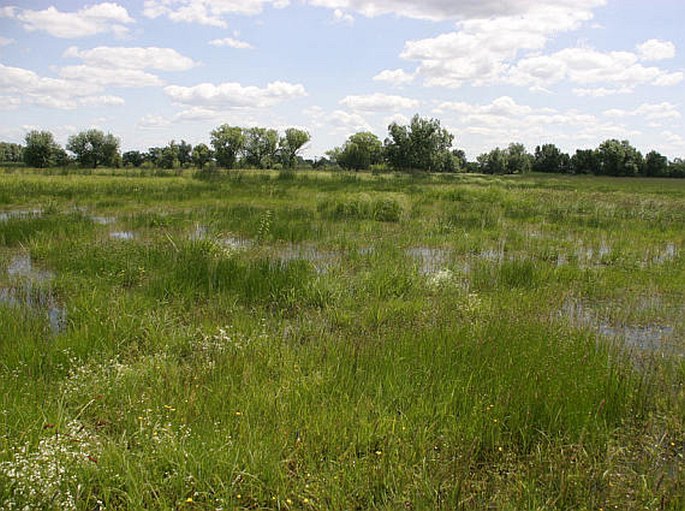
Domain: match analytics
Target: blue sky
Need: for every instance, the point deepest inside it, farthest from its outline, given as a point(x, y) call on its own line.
point(572, 72)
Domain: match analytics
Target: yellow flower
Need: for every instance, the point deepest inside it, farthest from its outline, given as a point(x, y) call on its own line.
point(189, 499)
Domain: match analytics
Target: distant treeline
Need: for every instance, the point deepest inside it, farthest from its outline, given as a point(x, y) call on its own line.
point(421, 145)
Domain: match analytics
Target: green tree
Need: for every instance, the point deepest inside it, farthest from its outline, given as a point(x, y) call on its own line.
point(92, 148)
point(201, 155)
point(132, 159)
point(419, 146)
point(228, 142)
point(360, 151)
point(40, 149)
point(519, 161)
point(618, 158)
point(261, 146)
point(655, 165)
point(169, 157)
point(185, 151)
point(585, 161)
point(548, 158)
point(11, 153)
point(493, 162)
point(289, 145)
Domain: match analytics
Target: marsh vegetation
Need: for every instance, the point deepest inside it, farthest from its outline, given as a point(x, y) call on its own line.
point(300, 340)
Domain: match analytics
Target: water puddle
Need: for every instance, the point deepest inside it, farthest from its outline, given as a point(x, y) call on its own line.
point(103, 220)
point(431, 260)
point(666, 255)
point(236, 243)
point(28, 289)
point(20, 213)
point(198, 233)
point(121, 235)
point(649, 337)
point(322, 261)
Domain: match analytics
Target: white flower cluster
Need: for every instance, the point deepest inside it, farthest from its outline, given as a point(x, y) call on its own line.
point(46, 477)
point(442, 278)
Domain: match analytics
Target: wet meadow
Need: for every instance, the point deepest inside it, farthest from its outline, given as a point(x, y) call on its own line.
point(322, 340)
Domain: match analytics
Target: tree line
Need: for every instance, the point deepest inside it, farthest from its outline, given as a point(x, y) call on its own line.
point(421, 145)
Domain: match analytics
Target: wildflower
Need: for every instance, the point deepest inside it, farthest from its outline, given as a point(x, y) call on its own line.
point(189, 500)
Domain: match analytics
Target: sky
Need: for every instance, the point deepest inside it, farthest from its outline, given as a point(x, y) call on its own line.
point(569, 72)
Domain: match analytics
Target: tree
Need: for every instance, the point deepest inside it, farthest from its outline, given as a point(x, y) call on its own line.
point(549, 159)
point(40, 149)
point(494, 162)
point(289, 145)
point(11, 153)
point(618, 158)
point(419, 146)
point(655, 165)
point(360, 151)
point(518, 159)
point(227, 142)
point(132, 159)
point(184, 154)
point(460, 160)
point(169, 157)
point(201, 155)
point(93, 148)
point(585, 161)
point(261, 145)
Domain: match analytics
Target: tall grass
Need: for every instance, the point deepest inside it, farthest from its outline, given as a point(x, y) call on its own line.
point(278, 341)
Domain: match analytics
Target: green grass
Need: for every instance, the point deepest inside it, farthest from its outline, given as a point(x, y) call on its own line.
point(302, 340)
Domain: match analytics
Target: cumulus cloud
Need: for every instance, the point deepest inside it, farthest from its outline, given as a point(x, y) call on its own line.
point(394, 77)
point(161, 59)
point(91, 20)
point(492, 124)
point(123, 66)
point(589, 66)
point(340, 16)
point(649, 111)
point(441, 10)
point(206, 12)
point(233, 95)
point(655, 49)
point(232, 43)
point(25, 87)
point(379, 103)
point(601, 92)
point(482, 50)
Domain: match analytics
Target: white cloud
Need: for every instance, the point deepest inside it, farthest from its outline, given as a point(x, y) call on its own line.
point(206, 12)
point(123, 66)
point(26, 87)
point(395, 77)
point(5, 41)
point(655, 49)
point(649, 111)
point(341, 16)
point(94, 19)
point(440, 10)
point(379, 103)
point(232, 95)
point(161, 59)
point(232, 43)
point(589, 66)
point(152, 121)
point(504, 120)
point(114, 77)
point(602, 92)
point(482, 50)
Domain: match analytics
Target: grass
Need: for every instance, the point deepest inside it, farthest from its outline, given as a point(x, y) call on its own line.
point(307, 340)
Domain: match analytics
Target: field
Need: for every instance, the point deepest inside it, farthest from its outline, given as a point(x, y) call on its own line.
point(296, 340)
